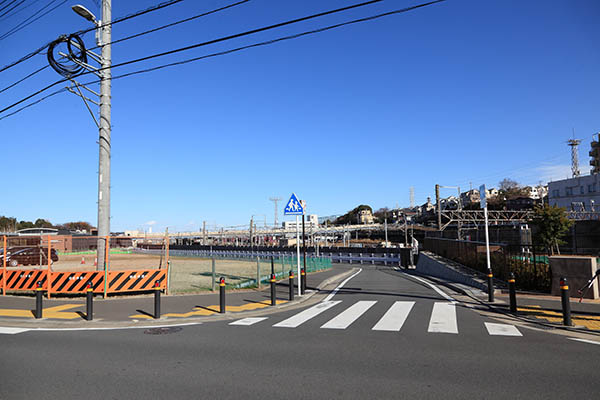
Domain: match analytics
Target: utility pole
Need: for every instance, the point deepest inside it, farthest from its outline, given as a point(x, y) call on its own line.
point(251, 226)
point(275, 200)
point(438, 206)
point(204, 233)
point(104, 135)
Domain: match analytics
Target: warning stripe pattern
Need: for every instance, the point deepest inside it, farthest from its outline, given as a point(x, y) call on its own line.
point(76, 282)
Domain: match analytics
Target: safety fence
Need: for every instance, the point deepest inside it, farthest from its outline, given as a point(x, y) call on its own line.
point(29, 263)
point(197, 270)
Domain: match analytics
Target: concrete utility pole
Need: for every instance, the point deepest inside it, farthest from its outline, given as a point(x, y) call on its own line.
point(104, 135)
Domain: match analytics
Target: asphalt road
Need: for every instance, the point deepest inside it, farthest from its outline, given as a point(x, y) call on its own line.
point(384, 347)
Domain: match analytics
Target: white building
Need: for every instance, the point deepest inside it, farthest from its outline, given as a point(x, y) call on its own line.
point(578, 193)
point(312, 220)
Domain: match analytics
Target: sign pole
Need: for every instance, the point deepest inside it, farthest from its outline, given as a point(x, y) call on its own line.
point(298, 253)
point(483, 201)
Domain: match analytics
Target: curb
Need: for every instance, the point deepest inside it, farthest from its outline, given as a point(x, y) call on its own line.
point(99, 324)
point(498, 310)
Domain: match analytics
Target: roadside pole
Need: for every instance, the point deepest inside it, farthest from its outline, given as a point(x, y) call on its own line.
point(298, 253)
point(304, 251)
point(483, 203)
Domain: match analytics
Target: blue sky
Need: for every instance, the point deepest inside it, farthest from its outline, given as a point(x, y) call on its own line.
point(455, 93)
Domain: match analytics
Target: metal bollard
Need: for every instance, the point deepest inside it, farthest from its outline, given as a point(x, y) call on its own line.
point(291, 285)
point(490, 286)
point(157, 299)
point(38, 300)
point(89, 309)
point(302, 281)
point(512, 293)
point(222, 295)
point(273, 293)
point(566, 303)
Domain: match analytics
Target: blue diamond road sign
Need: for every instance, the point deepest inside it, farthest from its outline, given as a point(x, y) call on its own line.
point(293, 206)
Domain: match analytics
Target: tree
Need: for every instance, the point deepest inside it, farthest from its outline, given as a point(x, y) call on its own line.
point(508, 184)
point(7, 224)
point(76, 226)
point(42, 223)
point(552, 224)
point(25, 225)
point(382, 214)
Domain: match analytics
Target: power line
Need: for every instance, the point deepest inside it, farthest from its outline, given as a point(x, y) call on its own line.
point(268, 42)
point(10, 9)
point(238, 35)
point(175, 23)
point(20, 9)
point(140, 34)
point(24, 24)
point(82, 32)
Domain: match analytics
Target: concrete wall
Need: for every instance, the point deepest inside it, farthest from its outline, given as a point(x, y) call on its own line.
point(578, 270)
point(431, 265)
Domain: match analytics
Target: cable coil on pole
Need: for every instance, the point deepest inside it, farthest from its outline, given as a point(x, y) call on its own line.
point(77, 52)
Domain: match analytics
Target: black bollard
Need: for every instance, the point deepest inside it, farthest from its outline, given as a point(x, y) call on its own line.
point(302, 281)
point(38, 300)
point(566, 303)
point(490, 286)
point(157, 300)
point(512, 293)
point(273, 292)
point(222, 295)
point(272, 266)
point(89, 309)
point(291, 285)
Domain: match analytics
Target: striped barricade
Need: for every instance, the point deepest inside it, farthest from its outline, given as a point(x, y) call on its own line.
point(136, 280)
point(76, 282)
point(25, 279)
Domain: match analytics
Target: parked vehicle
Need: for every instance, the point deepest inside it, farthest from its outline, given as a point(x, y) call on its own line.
point(27, 256)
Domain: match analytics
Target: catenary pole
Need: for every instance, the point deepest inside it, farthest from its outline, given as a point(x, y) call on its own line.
point(104, 135)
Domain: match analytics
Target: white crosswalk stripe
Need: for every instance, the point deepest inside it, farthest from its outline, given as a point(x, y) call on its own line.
point(443, 318)
point(248, 321)
point(502, 329)
point(343, 320)
point(394, 318)
point(303, 316)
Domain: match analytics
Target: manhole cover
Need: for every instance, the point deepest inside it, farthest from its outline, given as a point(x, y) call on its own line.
point(162, 331)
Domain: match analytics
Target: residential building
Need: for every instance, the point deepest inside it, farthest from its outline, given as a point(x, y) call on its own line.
point(582, 192)
point(365, 217)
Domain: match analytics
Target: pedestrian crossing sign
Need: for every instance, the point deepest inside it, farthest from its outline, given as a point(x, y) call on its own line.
point(293, 206)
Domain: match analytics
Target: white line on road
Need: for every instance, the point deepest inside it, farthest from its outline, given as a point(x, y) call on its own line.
point(98, 328)
point(350, 315)
point(394, 318)
point(502, 329)
point(307, 314)
point(584, 340)
point(434, 287)
point(12, 331)
point(443, 318)
point(248, 321)
point(340, 286)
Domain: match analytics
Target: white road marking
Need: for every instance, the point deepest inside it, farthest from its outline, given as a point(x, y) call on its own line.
point(12, 331)
point(434, 287)
point(103, 328)
point(502, 329)
point(394, 318)
point(584, 340)
point(307, 314)
point(350, 315)
point(340, 286)
point(248, 321)
point(443, 318)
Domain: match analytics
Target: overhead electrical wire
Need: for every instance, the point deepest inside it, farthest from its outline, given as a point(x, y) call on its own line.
point(25, 23)
point(120, 19)
point(25, 7)
point(140, 34)
point(10, 9)
point(267, 42)
point(235, 36)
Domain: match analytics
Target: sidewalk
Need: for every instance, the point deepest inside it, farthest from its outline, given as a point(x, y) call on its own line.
point(131, 310)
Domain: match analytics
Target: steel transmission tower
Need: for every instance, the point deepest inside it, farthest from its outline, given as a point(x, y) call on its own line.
point(574, 143)
point(275, 200)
